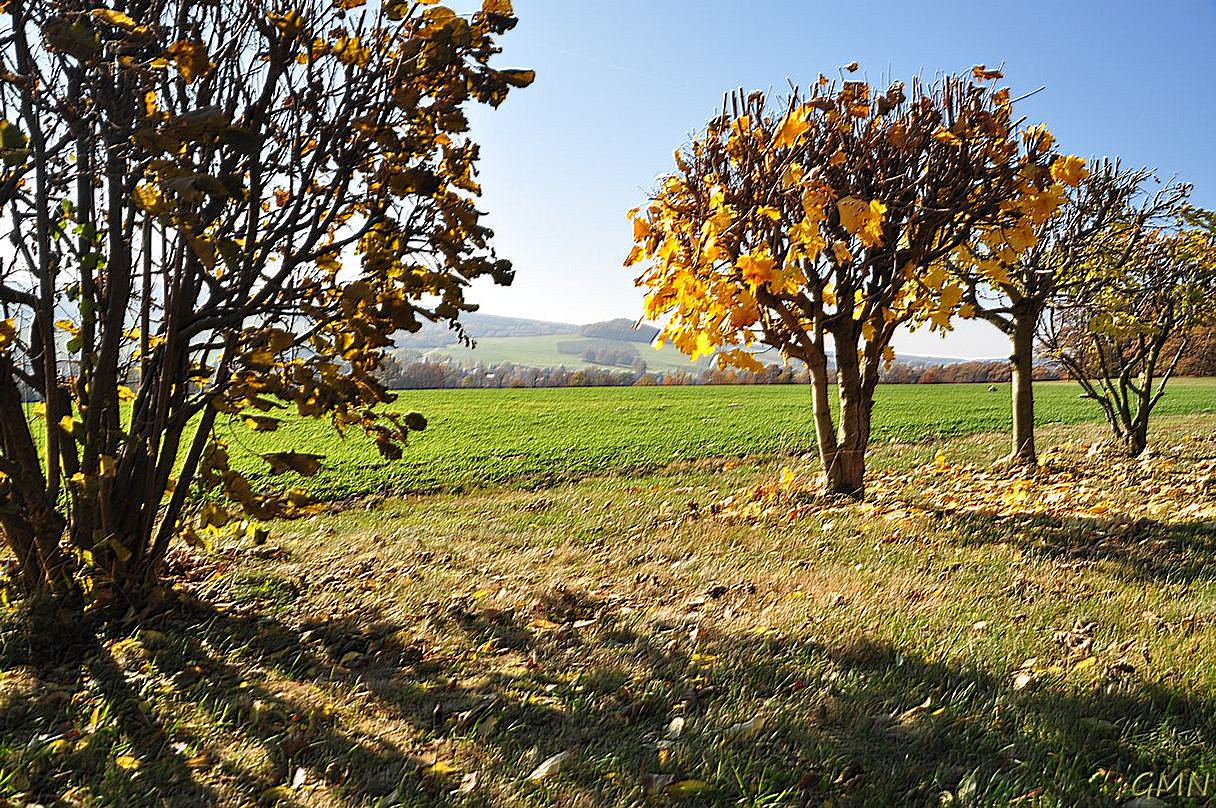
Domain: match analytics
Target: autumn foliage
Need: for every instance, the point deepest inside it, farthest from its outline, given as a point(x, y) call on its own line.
point(822, 225)
point(222, 210)
point(1012, 287)
point(1126, 319)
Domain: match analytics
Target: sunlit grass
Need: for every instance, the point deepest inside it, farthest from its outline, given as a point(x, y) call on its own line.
point(395, 654)
point(477, 437)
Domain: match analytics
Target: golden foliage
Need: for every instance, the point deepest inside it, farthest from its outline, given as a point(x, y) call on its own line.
point(770, 224)
point(296, 185)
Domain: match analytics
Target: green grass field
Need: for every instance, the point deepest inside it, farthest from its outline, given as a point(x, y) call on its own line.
point(438, 650)
point(477, 437)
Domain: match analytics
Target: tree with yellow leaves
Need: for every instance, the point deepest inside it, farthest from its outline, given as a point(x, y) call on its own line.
point(221, 210)
point(1012, 276)
point(833, 216)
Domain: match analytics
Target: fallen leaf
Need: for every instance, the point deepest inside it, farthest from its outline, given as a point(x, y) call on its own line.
point(468, 783)
point(440, 768)
point(688, 788)
point(277, 793)
point(549, 768)
point(656, 783)
point(128, 763)
point(744, 730)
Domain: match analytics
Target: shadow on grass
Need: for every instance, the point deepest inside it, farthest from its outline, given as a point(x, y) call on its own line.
point(248, 702)
point(782, 720)
point(1138, 548)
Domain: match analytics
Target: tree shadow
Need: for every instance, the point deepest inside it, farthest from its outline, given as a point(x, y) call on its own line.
point(779, 719)
point(1138, 548)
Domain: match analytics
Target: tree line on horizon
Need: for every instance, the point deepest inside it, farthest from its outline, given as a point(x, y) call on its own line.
point(450, 374)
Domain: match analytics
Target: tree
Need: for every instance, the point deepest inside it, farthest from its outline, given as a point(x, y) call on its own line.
point(1149, 289)
point(220, 210)
point(1010, 285)
point(833, 217)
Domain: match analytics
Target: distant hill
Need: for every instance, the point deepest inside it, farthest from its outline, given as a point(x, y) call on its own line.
point(478, 325)
point(560, 350)
point(548, 344)
point(620, 329)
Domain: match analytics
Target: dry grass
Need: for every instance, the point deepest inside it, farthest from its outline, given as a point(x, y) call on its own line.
point(437, 649)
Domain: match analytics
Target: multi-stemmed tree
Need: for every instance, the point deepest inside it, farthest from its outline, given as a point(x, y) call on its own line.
point(1011, 281)
point(833, 217)
point(216, 210)
point(1123, 324)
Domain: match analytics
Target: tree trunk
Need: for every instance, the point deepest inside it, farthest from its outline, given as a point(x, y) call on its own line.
point(825, 430)
point(1021, 366)
point(20, 540)
point(1135, 438)
point(846, 475)
point(846, 471)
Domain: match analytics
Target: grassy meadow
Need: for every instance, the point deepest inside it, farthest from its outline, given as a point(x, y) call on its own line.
point(666, 614)
point(479, 437)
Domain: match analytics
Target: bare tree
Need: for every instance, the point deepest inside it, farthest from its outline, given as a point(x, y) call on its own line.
point(1150, 288)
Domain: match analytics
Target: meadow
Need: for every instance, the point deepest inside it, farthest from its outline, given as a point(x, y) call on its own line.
point(479, 437)
point(962, 638)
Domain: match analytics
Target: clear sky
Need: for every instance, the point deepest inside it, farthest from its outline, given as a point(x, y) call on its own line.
point(621, 84)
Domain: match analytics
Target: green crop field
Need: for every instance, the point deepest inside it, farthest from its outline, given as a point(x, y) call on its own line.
point(487, 436)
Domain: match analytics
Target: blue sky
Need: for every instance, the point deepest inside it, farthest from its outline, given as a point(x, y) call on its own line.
point(620, 85)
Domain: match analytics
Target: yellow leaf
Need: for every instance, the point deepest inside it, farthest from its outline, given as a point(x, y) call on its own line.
point(277, 793)
point(944, 135)
point(843, 254)
point(1085, 664)
point(8, 333)
point(518, 78)
point(128, 763)
point(793, 127)
point(689, 788)
point(441, 768)
point(117, 19)
point(704, 347)
point(768, 212)
point(759, 268)
point(150, 198)
point(1038, 138)
point(862, 219)
point(740, 359)
point(120, 550)
point(262, 423)
point(1069, 170)
point(952, 295)
point(303, 464)
point(351, 51)
point(191, 59)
